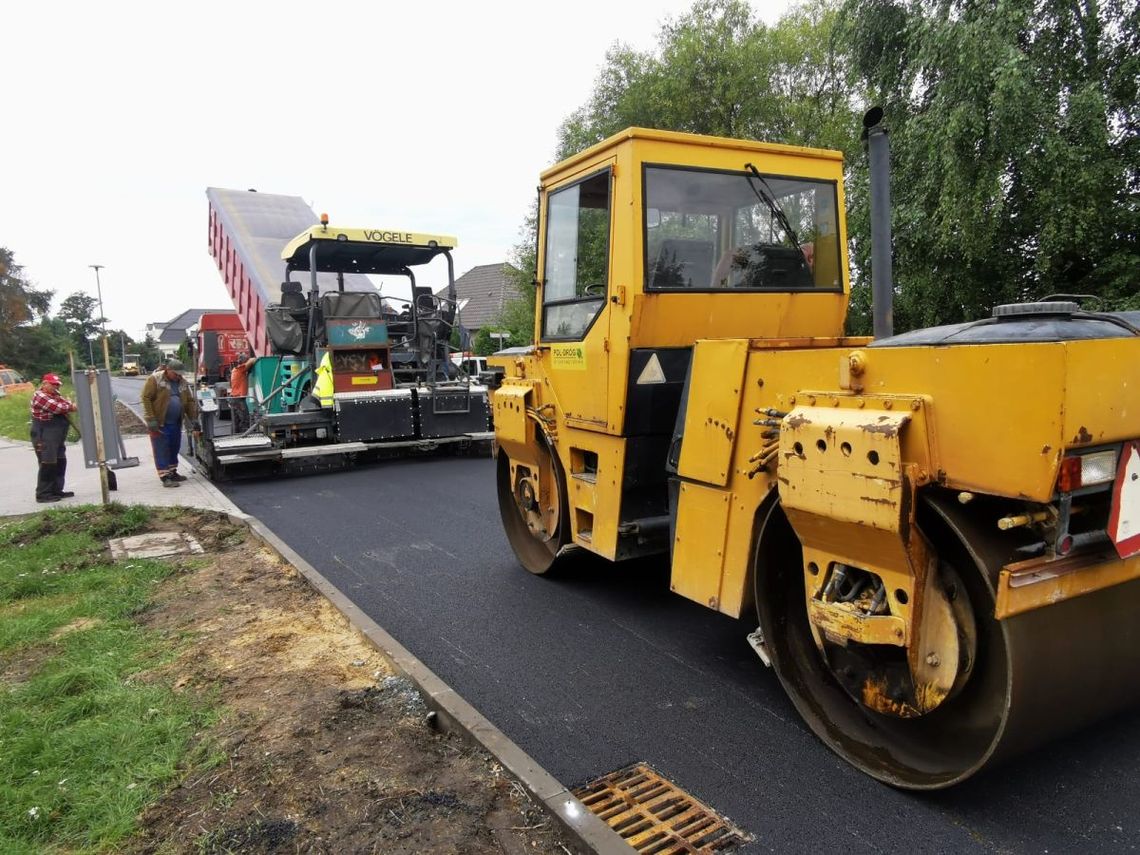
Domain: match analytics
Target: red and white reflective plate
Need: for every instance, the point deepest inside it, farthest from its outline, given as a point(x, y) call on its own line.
point(1124, 518)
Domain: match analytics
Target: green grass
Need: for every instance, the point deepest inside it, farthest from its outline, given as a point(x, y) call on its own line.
point(16, 412)
point(83, 746)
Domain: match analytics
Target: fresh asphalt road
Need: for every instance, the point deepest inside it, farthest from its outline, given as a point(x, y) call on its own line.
point(128, 389)
point(597, 669)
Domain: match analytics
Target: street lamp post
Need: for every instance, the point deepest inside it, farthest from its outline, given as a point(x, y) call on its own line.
point(102, 317)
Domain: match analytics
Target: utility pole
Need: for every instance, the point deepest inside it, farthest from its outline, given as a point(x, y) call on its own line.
point(102, 318)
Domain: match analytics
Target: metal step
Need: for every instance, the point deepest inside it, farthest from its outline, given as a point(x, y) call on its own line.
point(252, 442)
point(231, 455)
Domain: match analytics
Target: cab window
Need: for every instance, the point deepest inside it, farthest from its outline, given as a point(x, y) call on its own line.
point(576, 270)
point(707, 230)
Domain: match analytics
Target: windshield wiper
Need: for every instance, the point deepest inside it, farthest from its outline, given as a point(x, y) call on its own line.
point(769, 199)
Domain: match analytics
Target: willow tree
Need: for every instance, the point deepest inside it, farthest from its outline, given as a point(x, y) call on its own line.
point(1014, 144)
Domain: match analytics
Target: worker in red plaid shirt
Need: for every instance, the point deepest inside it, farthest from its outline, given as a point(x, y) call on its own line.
point(49, 437)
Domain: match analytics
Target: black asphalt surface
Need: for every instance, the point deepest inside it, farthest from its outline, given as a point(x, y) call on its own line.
point(128, 390)
point(592, 671)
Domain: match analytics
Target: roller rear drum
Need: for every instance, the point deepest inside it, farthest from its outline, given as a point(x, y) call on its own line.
point(1030, 678)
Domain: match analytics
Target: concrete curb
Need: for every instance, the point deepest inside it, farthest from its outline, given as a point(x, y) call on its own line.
point(454, 713)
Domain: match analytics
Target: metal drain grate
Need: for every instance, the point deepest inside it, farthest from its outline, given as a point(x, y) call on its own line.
point(656, 817)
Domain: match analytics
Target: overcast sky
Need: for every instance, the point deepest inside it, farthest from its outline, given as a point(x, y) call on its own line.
point(432, 117)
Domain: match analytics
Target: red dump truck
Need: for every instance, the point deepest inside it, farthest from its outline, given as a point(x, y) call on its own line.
point(247, 231)
point(220, 340)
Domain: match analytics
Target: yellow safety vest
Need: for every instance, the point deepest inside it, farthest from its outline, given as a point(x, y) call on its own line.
point(323, 388)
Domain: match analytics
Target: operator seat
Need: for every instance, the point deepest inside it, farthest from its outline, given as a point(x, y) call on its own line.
point(292, 296)
point(425, 300)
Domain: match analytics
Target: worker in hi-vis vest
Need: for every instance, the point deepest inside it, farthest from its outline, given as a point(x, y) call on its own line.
point(323, 388)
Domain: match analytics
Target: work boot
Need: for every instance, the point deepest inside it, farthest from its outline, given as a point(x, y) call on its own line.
point(174, 476)
point(65, 494)
point(43, 500)
point(167, 481)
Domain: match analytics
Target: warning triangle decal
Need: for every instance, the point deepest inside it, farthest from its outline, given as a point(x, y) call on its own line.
point(652, 372)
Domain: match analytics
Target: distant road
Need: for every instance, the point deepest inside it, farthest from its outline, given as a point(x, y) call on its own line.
point(128, 389)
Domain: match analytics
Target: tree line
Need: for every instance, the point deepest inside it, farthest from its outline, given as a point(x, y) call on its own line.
point(1014, 133)
point(1015, 153)
point(35, 341)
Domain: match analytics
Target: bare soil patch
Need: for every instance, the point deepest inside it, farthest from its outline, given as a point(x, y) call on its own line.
point(322, 748)
point(128, 421)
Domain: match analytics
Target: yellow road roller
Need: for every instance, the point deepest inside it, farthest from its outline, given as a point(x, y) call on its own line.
point(936, 535)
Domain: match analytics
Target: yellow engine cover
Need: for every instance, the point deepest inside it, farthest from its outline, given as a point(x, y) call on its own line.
point(511, 421)
point(843, 464)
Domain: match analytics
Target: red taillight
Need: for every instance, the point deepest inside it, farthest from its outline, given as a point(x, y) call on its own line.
point(1069, 478)
point(1087, 470)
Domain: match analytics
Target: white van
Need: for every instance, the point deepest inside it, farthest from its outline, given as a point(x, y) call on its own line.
point(469, 365)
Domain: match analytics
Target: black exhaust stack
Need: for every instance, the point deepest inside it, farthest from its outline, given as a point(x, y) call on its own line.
point(882, 286)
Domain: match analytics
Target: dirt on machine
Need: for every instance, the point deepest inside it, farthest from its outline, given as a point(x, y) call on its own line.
point(932, 538)
point(342, 372)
